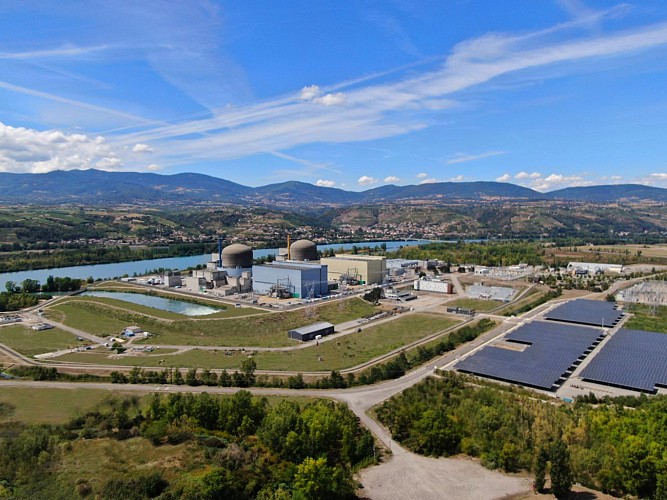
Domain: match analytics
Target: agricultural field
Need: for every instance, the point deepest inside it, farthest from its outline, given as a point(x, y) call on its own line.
point(30, 342)
point(265, 330)
point(344, 352)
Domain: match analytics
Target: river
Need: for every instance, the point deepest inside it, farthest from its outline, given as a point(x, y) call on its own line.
point(140, 267)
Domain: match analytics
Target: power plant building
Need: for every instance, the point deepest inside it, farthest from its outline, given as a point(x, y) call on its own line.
point(284, 279)
point(303, 250)
point(364, 269)
point(236, 259)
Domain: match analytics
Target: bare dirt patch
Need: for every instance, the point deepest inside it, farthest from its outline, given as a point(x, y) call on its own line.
point(406, 475)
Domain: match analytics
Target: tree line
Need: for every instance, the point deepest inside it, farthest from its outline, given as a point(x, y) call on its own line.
point(609, 447)
point(240, 448)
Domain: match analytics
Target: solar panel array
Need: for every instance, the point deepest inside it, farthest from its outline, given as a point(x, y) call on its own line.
point(587, 312)
point(553, 349)
point(633, 359)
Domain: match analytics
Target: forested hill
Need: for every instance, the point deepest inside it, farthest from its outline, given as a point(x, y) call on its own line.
point(611, 193)
point(95, 187)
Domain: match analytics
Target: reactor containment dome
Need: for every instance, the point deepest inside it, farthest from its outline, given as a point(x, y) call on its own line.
point(303, 250)
point(237, 256)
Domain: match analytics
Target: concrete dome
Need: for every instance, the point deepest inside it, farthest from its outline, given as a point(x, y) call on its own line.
point(237, 255)
point(303, 250)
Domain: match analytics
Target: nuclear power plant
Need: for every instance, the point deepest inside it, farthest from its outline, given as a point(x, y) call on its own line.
point(297, 272)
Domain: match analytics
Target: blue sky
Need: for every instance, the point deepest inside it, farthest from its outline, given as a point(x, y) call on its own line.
point(358, 94)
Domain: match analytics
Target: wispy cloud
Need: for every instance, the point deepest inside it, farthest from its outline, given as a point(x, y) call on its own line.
point(392, 179)
point(462, 157)
point(66, 51)
point(352, 111)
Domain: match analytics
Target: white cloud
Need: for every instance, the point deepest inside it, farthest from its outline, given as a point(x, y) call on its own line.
point(422, 175)
point(109, 163)
point(325, 183)
point(504, 178)
point(33, 151)
point(462, 157)
point(392, 179)
point(366, 180)
point(153, 167)
point(458, 178)
point(526, 175)
point(557, 181)
point(331, 99)
point(308, 93)
point(430, 180)
point(142, 148)
point(654, 179)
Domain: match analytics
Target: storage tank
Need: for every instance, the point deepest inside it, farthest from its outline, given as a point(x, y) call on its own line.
point(236, 259)
point(303, 250)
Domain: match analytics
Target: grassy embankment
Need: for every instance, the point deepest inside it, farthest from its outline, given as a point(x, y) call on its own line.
point(265, 330)
point(345, 352)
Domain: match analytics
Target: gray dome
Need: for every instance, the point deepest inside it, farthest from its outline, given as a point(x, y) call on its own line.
point(237, 255)
point(303, 250)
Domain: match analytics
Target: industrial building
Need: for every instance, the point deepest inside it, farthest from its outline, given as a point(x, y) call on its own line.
point(355, 269)
point(311, 332)
point(228, 272)
point(439, 286)
point(286, 279)
point(594, 268)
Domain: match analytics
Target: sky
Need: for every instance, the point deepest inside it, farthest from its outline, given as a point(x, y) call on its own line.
point(353, 94)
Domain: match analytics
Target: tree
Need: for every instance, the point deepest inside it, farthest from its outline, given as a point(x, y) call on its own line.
point(248, 367)
point(315, 480)
point(541, 468)
point(561, 471)
point(30, 286)
point(10, 286)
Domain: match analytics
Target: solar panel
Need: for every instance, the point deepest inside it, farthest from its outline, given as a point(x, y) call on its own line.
point(552, 350)
point(633, 359)
point(586, 312)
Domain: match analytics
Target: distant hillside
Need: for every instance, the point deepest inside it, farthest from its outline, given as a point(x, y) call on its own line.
point(94, 187)
point(611, 193)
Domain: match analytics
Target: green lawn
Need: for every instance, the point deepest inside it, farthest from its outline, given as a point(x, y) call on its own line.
point(647, 318)
point(476, 304)
point(30, 342)
point(345, 352)
point(53, 406)
point(266, 330)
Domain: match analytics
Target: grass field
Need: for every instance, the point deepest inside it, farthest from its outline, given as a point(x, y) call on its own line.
point(31, 342)
point(51, 406)
point(266, 330)
point(646, 318)
point(476, 304)
point(345, 352)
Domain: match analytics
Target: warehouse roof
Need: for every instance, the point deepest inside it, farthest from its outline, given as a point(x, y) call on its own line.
point(315, 327)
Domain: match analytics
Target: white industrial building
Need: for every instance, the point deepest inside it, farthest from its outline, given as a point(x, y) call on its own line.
point(595, 267)
point(431, 285)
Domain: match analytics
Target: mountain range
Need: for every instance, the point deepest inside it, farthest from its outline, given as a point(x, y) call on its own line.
point(95, 187)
